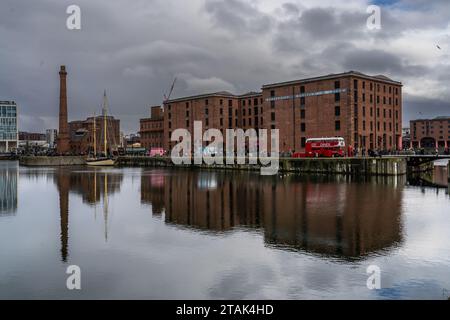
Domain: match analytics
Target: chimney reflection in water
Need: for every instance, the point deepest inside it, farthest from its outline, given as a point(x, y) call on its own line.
point(92, 186)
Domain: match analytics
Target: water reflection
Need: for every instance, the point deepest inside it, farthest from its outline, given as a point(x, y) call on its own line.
point(93, 186)
point(336, 216)
point(436, 178)
point(260, 237)
point(323, 215)
point(8, 188)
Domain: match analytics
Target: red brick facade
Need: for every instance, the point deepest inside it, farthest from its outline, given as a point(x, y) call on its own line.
point(431, 134)
point(82, 138)
point(152, 129)
point(365, 110)
point(63, 140)
point(218, 110)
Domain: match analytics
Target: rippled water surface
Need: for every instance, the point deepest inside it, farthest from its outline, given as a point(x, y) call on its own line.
point(162, 234)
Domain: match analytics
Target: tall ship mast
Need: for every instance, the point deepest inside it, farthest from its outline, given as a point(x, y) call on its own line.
point(105, 159)
point(105, 132)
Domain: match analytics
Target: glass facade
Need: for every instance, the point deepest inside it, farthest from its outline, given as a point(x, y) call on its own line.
point(8, 121)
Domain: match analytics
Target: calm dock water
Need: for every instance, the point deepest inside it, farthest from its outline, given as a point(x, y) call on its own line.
point(163, 234)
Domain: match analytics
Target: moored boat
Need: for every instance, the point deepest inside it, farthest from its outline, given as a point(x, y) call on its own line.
point(103, 160)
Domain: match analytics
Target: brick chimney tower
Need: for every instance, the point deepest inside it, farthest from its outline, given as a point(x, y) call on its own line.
point(63, 142)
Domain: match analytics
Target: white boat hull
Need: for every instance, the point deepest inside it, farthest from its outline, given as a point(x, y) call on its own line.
point(100, 162)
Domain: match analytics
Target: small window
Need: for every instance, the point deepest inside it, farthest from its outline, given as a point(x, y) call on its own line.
point(337, 111)
point(337, 97)
point(337, 125)
point(337, 84)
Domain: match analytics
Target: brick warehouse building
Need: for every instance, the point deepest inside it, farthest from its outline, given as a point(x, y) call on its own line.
point(220, 110)
point(82, 138)
point(431, 133)
point(365, 110)
point(216, 110)
point(152, 129)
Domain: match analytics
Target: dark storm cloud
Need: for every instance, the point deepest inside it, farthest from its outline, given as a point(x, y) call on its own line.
point(290, 9)
point(238, 16)
point(424, 108)
point(135, 49)
point(373, 61)
point(321, 23)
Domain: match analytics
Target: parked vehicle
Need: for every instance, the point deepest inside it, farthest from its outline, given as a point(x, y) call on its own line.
point(156, 152)
point(323, 147)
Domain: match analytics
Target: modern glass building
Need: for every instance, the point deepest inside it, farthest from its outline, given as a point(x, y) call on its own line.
point(8, 126)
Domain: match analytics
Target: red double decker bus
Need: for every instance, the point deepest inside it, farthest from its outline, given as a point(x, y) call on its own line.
point(323, 147)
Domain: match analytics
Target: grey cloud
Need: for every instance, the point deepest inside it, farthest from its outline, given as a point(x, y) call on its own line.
point(135, 49)
point(421, 108)
point(373, 61)
point(290, 8)
point(238, 16)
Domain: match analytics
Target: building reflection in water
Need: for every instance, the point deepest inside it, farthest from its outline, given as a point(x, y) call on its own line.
point(9, 172)
point(94, 187)
point(329, 216)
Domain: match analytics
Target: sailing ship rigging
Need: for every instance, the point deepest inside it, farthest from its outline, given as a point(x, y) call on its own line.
point(105, 159)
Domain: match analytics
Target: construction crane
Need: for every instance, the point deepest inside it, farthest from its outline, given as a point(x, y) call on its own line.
point(167, 97)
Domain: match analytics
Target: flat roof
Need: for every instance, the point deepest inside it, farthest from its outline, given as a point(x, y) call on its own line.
point(381, 78)
point(442, 118)
point(8, 103)
point(220, 94)
point(224, 94)
point(152, 119)
point(250, 94)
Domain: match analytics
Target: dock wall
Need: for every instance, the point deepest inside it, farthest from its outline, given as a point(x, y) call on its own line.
point(52, 161)
point(347, 166)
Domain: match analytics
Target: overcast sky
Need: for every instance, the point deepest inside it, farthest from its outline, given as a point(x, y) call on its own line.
point(134, 49)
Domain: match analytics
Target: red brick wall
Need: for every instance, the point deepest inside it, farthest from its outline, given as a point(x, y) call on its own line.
point(320, 114)
point(376, 125)
point(223, 113)
point(436, 129)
